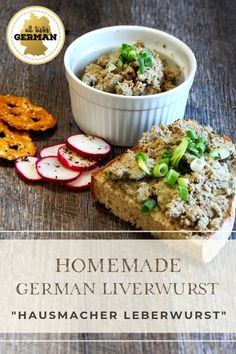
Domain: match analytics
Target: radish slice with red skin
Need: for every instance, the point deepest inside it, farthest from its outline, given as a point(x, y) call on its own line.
point(26, 169)
point(51, 150)
point(82, 183)
point(74, 161)
point(88, 145)
point(51, 170)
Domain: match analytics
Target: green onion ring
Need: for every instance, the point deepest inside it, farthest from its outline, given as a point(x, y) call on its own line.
point(148, 205)
point(183, 193)
point(172, 177)
point(160, 170)
point(191, 134)
point(183, 182)
point(141, 65)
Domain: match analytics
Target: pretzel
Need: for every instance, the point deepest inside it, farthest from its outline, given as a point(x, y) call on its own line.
point(14, 144)
point(21, 114)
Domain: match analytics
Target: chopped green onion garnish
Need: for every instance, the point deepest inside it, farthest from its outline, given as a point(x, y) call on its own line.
point(197, 165)
point(183, 182)
point(191, 134)
point(192, 148)
point(171, 177)
point(202, 140)
point(147, 56)
point(167, 154)
point(141, 159)
point(148, 205)
point(142, 155)
point(194, 151)
point(141, 65)
point(129, 53)
point(215, 155)
point(220, 153)
point(132, 55)
point(179, 152)
point(125, 46)
point(198, 146)
point(191, 144)
point(144, 54)
point(160, 170)
point(148, 62)
point(183, 193)
point(201, 147)
point(166, 161)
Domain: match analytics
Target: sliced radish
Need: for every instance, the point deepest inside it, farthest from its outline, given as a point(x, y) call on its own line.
point(74, 161)
point(82, 183)
point(88, 145)
point(50, 150)
point(51, 170)
point(26, 168)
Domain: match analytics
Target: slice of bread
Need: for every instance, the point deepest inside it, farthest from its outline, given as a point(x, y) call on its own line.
point(120, 194)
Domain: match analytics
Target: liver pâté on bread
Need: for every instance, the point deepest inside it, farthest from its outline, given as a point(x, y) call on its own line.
point(204, 204)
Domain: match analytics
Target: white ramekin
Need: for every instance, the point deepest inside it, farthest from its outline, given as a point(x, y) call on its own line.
point(121, 120)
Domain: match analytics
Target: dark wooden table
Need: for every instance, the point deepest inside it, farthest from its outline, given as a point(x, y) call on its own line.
point(209, 28)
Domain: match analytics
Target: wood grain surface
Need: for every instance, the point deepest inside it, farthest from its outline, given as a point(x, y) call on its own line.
point(209, 28)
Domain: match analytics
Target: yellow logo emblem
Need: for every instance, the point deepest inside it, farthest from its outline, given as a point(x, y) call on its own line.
point(35, 35)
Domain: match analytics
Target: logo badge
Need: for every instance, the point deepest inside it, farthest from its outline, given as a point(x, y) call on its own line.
point(35, 35)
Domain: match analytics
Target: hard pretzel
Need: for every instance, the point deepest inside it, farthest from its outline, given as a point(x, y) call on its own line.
point(14, 144)
point(21, 114)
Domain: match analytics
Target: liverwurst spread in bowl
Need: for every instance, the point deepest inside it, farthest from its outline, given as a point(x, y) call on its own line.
point(124, 79)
